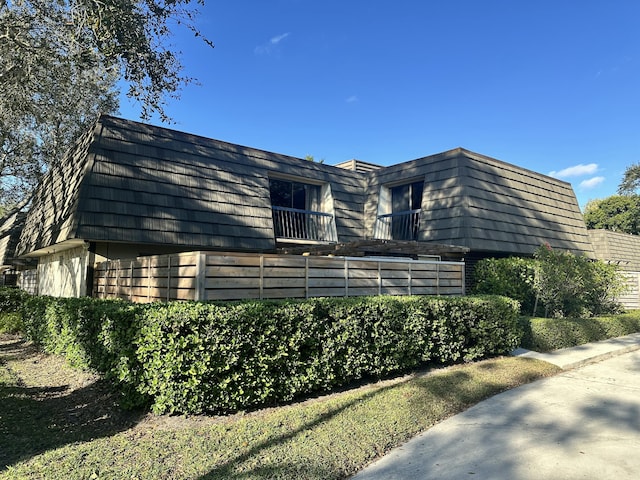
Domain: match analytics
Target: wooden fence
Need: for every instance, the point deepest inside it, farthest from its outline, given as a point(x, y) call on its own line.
point(231, 276)
point(630, 299)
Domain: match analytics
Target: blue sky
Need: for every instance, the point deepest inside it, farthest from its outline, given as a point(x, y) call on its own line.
point(553, 86)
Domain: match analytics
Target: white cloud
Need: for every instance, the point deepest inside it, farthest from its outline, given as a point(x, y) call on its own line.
point(352, 99)
point(576, 171)
point(278, 38)
point(269, 47)
point(591, 183)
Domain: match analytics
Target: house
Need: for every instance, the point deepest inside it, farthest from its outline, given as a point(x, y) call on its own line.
point(622, 250)
point(129, 189)
point(11, 226)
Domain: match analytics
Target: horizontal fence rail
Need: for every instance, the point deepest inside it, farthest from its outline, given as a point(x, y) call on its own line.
point(230, 276)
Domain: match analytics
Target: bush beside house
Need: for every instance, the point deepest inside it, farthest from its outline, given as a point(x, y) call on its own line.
point(192, 357)
point(512, 277)
point(555, 282)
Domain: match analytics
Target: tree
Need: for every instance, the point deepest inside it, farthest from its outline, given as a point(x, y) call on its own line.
point(618, 213)
point(574, 286)
point(47, 99)
point(311, 158)
point(59, 63)
point(630, 181)
point(127, 35)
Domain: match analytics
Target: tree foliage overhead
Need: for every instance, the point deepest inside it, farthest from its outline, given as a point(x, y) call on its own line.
point(128, 35)
point(60, 61)
point(618, 213)
point(630, 181)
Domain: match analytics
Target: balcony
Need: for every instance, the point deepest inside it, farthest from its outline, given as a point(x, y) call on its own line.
point(398, 226)
point(303, 225)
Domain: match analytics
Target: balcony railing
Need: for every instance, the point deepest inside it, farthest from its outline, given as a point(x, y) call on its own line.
point(294, 224)
point(398, 225)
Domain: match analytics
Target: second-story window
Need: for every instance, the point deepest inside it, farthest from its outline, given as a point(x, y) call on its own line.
point(299, 211)
point(300, 196)
point(407, 197)
point(399, 211)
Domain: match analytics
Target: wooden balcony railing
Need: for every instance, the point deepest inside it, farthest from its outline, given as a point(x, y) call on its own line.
point(295, 224)
point(398, 225)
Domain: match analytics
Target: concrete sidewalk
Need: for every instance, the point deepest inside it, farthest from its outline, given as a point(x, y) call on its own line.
point(573, 357)
point(581, 424)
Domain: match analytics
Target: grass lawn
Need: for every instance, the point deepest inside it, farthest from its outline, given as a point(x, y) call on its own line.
point(59, 423)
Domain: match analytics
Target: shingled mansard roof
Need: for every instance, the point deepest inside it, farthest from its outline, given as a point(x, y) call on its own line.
point(616, 247)
point(132, 183)
point(488, 205)
point(10, 227)
point(135, 183)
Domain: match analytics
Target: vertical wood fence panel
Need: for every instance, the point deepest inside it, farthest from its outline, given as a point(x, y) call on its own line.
point(235, 276)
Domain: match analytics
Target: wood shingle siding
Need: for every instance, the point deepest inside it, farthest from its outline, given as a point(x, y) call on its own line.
point(137, 183)
point(53, 206)
point(162, 191)
point(488, 205)
point(10, 227)
point(616, 247)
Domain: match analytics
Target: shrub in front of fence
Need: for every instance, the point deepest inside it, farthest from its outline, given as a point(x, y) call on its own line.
point(192, 357)
point(225, 357)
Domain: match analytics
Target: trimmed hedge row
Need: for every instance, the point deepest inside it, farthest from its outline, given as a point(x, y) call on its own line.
point(222, 357)
point(11, 300)
point(545, 334)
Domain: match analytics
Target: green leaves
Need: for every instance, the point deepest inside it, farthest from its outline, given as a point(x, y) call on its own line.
point(192, 357)
point(545, 334)
point(233, 356)
point(565, 284)
point(52, 88)
point(618, 213)
point(574, 286)
point(512, 277)
point(60, 62)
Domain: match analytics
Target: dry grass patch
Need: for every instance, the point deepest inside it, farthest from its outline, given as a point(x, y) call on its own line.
point(64, 424)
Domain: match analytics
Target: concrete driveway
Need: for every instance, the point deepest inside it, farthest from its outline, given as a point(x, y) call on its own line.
point(581, 424)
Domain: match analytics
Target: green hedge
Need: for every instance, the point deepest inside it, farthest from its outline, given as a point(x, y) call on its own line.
point(556, 283)
point(11, 300)
point(225, 357)
point(545, 334)
point(221, 357)
point(512, 277)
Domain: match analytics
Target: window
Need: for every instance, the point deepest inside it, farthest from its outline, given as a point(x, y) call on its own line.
point(300, 196)
point(399, 211)
point(300, 211)
point(406, 197)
